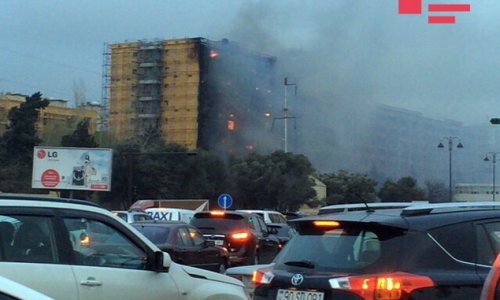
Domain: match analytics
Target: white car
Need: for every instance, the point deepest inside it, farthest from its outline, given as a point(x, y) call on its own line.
point(170, 214)
point(131, 216)
point(69, 250)
point(11, 290)
point(269, 216)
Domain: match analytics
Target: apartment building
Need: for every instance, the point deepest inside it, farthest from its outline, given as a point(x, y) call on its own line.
point(55, 120)
point(213, 95)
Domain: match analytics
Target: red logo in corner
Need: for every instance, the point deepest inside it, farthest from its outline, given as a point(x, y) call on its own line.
point(439, 11)
point(41, 154)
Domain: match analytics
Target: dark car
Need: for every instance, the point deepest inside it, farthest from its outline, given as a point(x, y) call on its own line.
point(185, 244)
point(245, 235)
point(421, 252)
point(282, 232)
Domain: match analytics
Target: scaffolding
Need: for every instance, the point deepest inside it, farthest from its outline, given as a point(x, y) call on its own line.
point(106, 84)
point(148, 88)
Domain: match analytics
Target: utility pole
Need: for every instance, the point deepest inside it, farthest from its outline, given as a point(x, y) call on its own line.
point(285, 112)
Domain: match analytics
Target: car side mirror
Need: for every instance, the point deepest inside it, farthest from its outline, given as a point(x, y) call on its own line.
point(162, 261)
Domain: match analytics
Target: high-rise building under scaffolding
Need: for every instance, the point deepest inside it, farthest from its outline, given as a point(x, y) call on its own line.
point(197, 93)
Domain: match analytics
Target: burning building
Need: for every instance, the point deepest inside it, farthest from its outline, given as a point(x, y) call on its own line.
point(212, 95)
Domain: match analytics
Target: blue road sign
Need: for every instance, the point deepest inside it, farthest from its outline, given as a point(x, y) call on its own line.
point(225, 201)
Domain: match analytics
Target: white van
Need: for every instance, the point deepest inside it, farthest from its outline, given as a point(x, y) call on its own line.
point(170, 214)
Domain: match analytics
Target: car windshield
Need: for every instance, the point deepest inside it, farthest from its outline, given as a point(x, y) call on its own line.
point(156, 234)
point(208, 224)
point(349, 249)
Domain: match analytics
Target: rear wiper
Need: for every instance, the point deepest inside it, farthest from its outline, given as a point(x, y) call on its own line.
point(206, 227)
point(301, 263)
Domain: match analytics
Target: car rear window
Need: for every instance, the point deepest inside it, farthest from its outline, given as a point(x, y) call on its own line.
point(208, 223)
point(346, 248)
point(141, 217)
point(275, 218)
point(157, 235)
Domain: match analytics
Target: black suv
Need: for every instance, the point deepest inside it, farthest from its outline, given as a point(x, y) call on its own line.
point(245, 235)
point(426, 251)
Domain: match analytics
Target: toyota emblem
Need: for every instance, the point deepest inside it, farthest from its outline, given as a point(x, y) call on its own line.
point(297, 279)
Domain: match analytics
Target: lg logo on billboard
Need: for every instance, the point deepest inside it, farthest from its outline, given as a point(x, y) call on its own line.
point(41, 154)
point(440, 13)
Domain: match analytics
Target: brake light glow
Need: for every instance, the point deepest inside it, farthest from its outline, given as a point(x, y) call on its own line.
point(262, 276)
point(217, 213)
point(326, 223)
point(392, 286)
point(240, 235)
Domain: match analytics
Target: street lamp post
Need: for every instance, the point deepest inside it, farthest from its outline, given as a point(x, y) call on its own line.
point(492, 156)
point(449, 140)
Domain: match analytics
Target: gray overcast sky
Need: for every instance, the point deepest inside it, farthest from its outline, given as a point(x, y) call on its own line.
point(339, 51)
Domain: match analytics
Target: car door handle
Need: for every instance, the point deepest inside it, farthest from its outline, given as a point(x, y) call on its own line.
point(91, 282)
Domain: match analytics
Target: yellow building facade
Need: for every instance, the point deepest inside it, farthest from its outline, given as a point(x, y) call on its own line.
point(155, 85)
point(55, 118)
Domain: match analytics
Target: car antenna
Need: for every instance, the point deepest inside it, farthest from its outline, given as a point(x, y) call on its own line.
point(368, 208)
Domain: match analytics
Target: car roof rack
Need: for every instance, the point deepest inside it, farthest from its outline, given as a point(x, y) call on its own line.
point(424, 209)
point(44, 197)
point(336, 208)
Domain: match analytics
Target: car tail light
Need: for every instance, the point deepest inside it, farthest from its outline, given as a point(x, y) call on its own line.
point(262, 276)
point(331, 224)
point(490, 285)
point(217, 213)
point(240, 236)
point(391, 286)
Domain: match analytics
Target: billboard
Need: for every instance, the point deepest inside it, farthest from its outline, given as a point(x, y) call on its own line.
point(62, 168)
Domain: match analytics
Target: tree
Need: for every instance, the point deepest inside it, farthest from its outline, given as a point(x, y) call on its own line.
point(148, 168)
point(279, 180)
point(16, 147)
point(21, 135)
point(405, 189)
point(436, 191)
point(79, 92)
point(80, 137)
point(205, 178)
point(344, 187)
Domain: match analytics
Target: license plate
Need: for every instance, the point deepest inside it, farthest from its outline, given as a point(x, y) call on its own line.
point(299, 295)
point(219, 242)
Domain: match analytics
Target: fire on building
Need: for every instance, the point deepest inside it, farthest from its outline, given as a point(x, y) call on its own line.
point(197, 93)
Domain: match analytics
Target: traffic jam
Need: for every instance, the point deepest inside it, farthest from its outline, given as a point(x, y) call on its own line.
point(250, 150)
